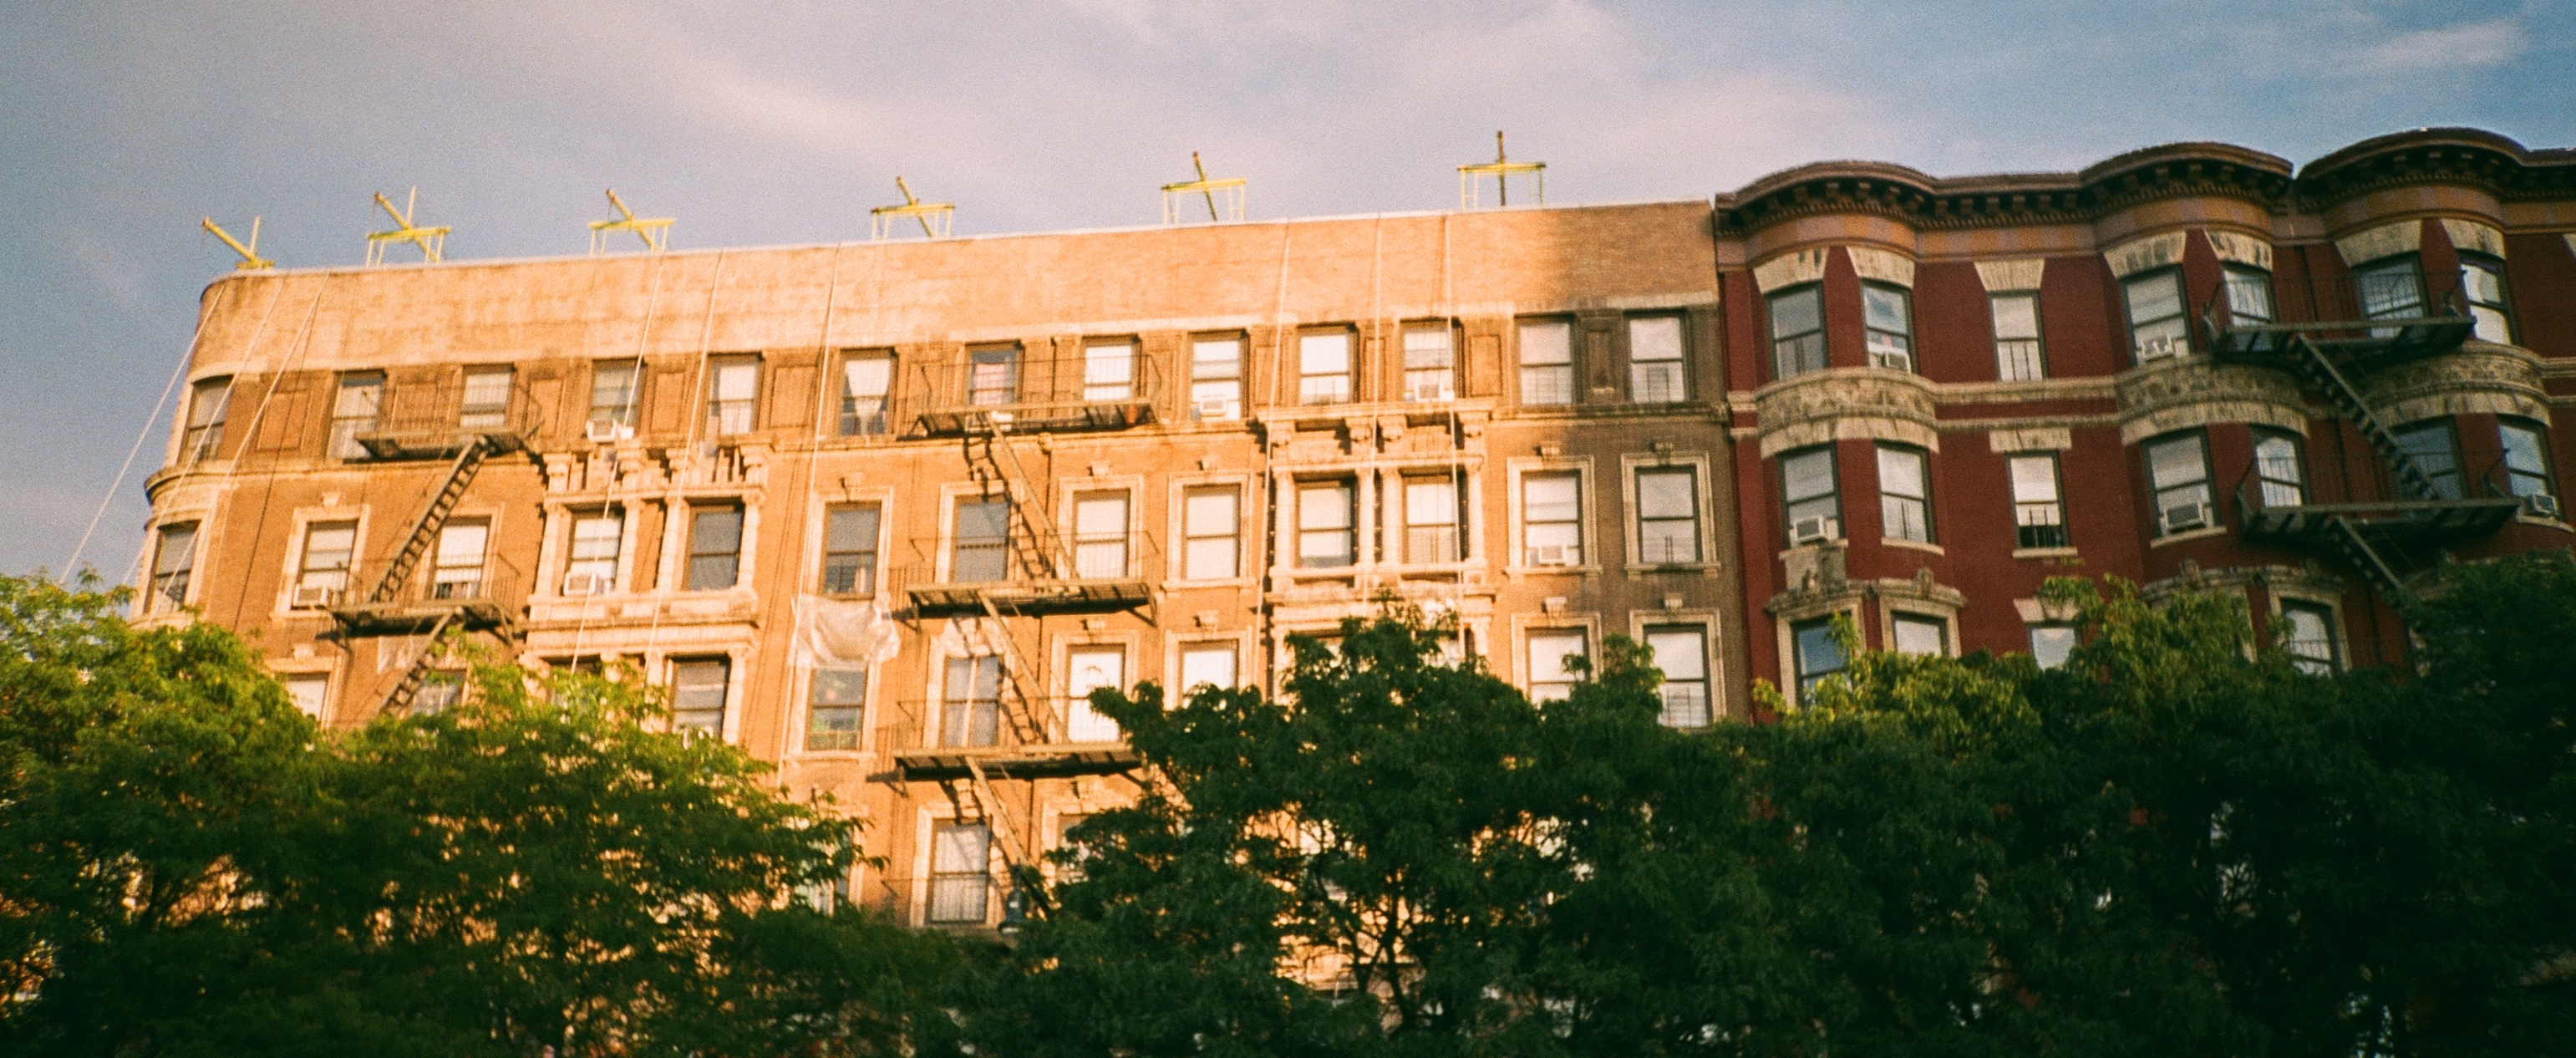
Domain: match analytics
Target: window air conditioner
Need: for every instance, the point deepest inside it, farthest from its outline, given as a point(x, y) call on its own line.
point(1813, 529)
point(309, 598)
point(604, 431)
point(1429, 391)
point(2159, 348)
point(1550, 555)
point(2186, 516)
point(1892, 361)
point(2540, 505)
point(585, 584)
point(1218, 408)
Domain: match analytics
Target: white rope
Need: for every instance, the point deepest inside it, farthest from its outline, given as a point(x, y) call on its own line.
point(186, 356)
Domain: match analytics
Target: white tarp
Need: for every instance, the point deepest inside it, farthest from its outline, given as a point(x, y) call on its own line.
point(831, 632)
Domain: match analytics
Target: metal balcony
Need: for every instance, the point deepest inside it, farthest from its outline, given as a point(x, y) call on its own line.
point(2360, 321)
point(1010, 390)
point(997, 748)
point(438, 421)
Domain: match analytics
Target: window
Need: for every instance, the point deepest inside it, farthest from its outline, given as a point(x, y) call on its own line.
point(1209, 519)
point(2018, 357)
point(1817, 655)
point(612, 395)
point(715, 547)
point(323, 572)
point(353, 412)
point(2311, 641)
point(1887, 318)
point(2050, 644)
point(2389, 289)
point(2482, 280)
point(865, 381)
point(596, 537)
point(2276, 466)
point(172, 561)
point(961, 879)
point(1904, 494)
point(834, 707)
point(980, 541)
point(2526, 465)
point(993, 376)
point(206, 405)
point(1656, 374)
point(1109, 370)
point(733, 395)
point(1324, 367)
point(1430, 363)
point(1432, 526)
point(1552, 519)
point(2039, 519)
point(486, 403)
point(2249, 295)
point(1797, 331)
point(850, 549)
point(2157, 327)
point(972, 694)
point(2178, 472)
point(457, 571)
point(1325, 536)
point(699, 689)
point(1681, 651)
point(2435, 451)
point(1100, 535)
point(1810, 497)
point(1920, 634)
point(1667, 514)
point(439, 692)
point(1216, 377)
point(310, 691)
point(1547, 362)
point(1092, 668)
point(1207, 664)
point(1552, 676)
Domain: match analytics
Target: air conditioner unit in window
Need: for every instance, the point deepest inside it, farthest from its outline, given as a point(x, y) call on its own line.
point(585, 584)
point(1892, 361)
point(2186, 516)
point(1219, 408)
point(2159, 348)
point(1814, 529)
point(1551, 555)
point(1428, 391)
point(313, 598)
point(2540, 505)
point(604, 431)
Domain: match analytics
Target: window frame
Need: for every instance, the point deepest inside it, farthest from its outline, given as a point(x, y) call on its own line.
point(484, 415)
point(994, 375)
point(1786, 345)
point(2543, 475)
point(1349, 530)
point(2018, 365)
point(700, 511)
point(1525, 553)
point(1077, 710)
point(2500, 309)
point(2038, 524)
point(305, 570)
point(622, 415)
point(1089, 545)
point(1804, 678)
point(1440, 379)
point(2169, 345)
point(732, 416)
point(2158, 489)
point(574, 560)
point(1192, 534)
point(1832, 496)
point(443, 573)
point(1105, 390)
point(2032, 631)
point(1891, 502)
point(2275, 489)
point(1452, 533)
point(955, 554)
point(861, 562)
point(345, 425)
point(1706, 680)
point(971, 720)
point(2235, 277)
point(957, 886)
point(1228, 386)
point(1309, 390)
point(859, 417)
point(1899, 620)
point(681, 709)
point(167, 583)
point(1879, 342)
point(2392, 272)
point(1678, 364)
point(202, 436)
point(2331, 660)
point(1531, 372)
point(1544, 691)
point(2448, 429)
point(832, 681)
point(1695, 472)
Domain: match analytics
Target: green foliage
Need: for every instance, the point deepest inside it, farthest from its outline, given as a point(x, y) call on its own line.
point(189, 866)
point(2172, 844)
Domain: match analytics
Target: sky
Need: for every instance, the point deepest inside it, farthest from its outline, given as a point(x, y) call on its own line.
point(123, 123)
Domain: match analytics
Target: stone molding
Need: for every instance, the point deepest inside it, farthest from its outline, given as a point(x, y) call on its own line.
point(2385, 240)
point(2015, 274)
point(2132, 256)
point(1850, 403)
point(2474, 236)
point(2309, 581)
point(2480, 379)
point(2240, 248)
point(1883, 266)
point(2188, 391)
point(1818, 586)
point(1791, 269)
point(2037, 439)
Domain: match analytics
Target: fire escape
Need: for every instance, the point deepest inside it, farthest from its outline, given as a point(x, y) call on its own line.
point(465, 428)
point(986, 402)
point(2397, 518)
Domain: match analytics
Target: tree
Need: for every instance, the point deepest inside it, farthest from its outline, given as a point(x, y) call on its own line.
point(190, 866)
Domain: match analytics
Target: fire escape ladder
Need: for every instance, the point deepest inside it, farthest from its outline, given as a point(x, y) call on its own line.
point(424, 532)
point(1035, 545)
point(2356, 548)
point(418, 673)
point(2321, 372)
point(989, 806)
point(1030, 716)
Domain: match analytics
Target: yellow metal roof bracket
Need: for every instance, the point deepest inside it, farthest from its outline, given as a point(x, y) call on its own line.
point(655, 231)
point(1230, 187)
point(432, 241)
point(1502, 169)
point(251, 261)
point(937, 218)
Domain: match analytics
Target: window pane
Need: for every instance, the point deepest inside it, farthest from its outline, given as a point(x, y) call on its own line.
point(1210, 512)
point(2311, 638)
point(1091, 669)
point(1817, 653)
point(2051, 644)
point(1426, 347)
point(1883, 309)
point(1215, 358)
point(698, 692)
point(1797, 312)
point(1550, 342)
point(1550, 678)
point(1213, 664)
point(835, 708)
point(2016, 315)
point(1324, 507)
point(1807, 475)
point(612, 393)
point(1655, 338)
point(2249, 294)
point(1665, 494)
point(2176, 462)
point(1682, 654)
point(2435, 452)
point(310, 692)
point(2034, 479)
point(1900, 472)
point(1430, 503)
point(2526, 462)
point(2154, 297)
point(1549, 498)
point(1102, 514)
point(981, 539)
point(1921, 635)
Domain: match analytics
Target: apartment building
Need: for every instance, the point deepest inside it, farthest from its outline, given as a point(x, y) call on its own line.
point(884, 512)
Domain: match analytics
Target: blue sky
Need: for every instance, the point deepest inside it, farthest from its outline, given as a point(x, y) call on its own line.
point(753, 123)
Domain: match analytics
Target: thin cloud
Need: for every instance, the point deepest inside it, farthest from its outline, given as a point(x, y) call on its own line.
point(2490, 43)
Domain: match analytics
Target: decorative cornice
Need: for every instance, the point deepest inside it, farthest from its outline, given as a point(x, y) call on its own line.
point(2470, 157)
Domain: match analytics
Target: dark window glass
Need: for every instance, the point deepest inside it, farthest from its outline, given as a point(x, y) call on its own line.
point(715, 547)
point(850, 550)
